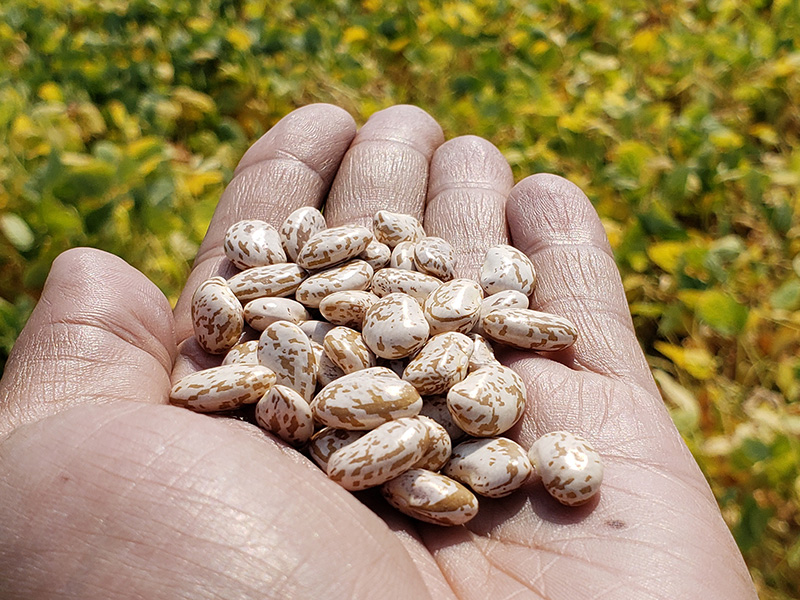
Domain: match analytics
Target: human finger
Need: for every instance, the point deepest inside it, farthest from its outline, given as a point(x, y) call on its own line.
point(386, 167)
point(555, 224)
point(470, 180)
point(291, 166)
point(101, 332)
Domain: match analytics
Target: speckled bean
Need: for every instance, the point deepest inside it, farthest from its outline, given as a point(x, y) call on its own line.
point(482, 353)
point(395, 326)
point(298, 228)
point(439, 446)
point(380, 455)
point(261, 312)
point(403, 257)
point(529, 329)
point(316, 330)
point(327, 441)
point(440, 364)
point(570, 467)
point(504, 299)
point(217, 316)
point(327, 370)
point(284, 348)
point(333, 246)
point(391, 228)
point(431, 497)
point(285, 413)
point(346, 348)
point(454, 306)
point(271, 280)
point(487, 402)
point(222, 388)
point(347, 308)
point(506, 268)
point(253, 243)
point(435, 407)
point(354, 275)
point(245, 353)
point(376, 254)
point(415, 284)
point(492, 467)
point(434, 256)
point(365, 399)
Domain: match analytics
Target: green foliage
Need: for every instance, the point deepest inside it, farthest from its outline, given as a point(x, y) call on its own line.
point(121, 120)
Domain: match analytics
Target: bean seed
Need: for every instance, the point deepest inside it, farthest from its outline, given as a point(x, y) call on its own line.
point(439, 446)
point(245, 353)
point(504, 299)
point(434, 256)
point(492, 467)
point(347, 308)
point(298, 227)
point(376, 254)
point(222, 388)
point(284, 348)
point(570, 467)
point(435, 407)
point(217, 316)
point(440, 364)
point(253, 243)
point(506, 268)
point(283, 412)
point(529, 329)
point(380, 455)
point(487, 402)
point(332, 246)
point(354, 275)
point(365, 399)
point(395, 326)
point(392, 228)
point(431, 497)
point(271, 280)
point(346, 348)
point(327, 441)
point(482, 353)
point(416, 284)
point(316, 330)
point(454, 306)
point(403, 257)
point(261, 312)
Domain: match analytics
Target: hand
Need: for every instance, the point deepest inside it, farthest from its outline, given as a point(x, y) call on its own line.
point(107, 492)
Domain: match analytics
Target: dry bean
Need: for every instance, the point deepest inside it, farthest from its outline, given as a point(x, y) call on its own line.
point(217, 316)
point(504, 299)
point(380, 455)
point(570, 467)
point(327, 370)
point(365, 399)
point(392, 228)
point(222, 388)
point(395, 326)
point(403, 257)
point(434, 256)
point(253, 243)
point(283, 412)
point(435, 407)
point(440, 364)
point(346, 348)
point(482, 353)
point(492, 467)
point(316, 330)
point(332, 246)
point(487, 402)
point(284, 348)
point(327, 441)
point(506, 268)
point(454, 306)
point(416, 284)
point(529, 329)
point(376, 254)
point(347, 308)
point(439, 446)
point(354, 275)
point(431, 497)
point(272, 280)
point(298, 227)
point(261, 312)
point(245, 353)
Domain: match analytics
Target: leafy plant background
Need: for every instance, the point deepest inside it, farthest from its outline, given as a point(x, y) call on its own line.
point(122, 120)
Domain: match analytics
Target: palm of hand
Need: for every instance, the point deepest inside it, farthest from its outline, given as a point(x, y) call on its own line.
point(106, 493)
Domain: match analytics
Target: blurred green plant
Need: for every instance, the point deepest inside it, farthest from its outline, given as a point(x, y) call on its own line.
point(121, 121)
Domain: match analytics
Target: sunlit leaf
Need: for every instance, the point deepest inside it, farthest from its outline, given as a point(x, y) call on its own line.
point(722, 312)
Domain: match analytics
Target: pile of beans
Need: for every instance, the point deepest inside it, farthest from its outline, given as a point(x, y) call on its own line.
point(381, 368)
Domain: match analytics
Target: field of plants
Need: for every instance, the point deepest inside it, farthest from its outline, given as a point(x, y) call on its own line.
point(122, 120)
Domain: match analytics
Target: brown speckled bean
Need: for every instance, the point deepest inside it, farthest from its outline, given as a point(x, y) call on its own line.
point(506, 268)
point(332, 246)
point(416, 284)
point(222, 388)
point(454, 306)
point(327, 441)
point(440, 364)
point(298, 228)
point(570, 467)
point(272, 280)
point(261, 312)
point(492, 467)
point(434, 256)
point(253, 243)
point(376, 254)
point(391, 228)
point(395, 326)
point(354, 275)
point(284, 348)
point(431, 497)
point(529, 329)
point(487, 402)
point(217, 316)
point(439, 446)
point(402, 257)
point(245, 353)
point(347, 308)
point(283, 412)
point(346, 348)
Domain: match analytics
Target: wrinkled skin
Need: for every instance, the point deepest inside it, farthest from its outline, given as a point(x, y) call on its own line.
point(106, 492)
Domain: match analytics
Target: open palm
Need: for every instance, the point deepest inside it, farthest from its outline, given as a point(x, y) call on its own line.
point(108, 493)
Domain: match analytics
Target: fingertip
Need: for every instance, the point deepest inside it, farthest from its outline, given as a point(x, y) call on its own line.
point(546, 209)
point(403, 123)
point(299, 132)
point(469, 161)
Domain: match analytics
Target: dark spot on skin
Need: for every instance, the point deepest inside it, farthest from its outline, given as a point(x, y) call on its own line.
point(616, 524)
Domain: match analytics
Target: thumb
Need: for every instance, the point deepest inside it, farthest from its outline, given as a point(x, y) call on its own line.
point(101, 332)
